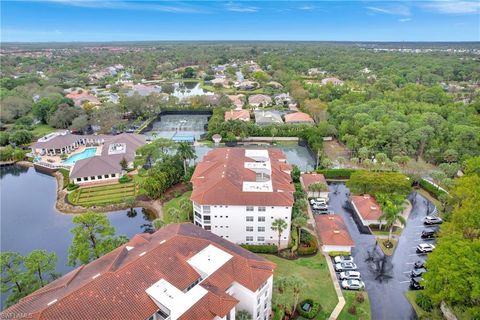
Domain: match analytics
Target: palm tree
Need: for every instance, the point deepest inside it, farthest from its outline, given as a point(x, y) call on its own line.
point(299, 222)
point(174, 214)
point(279, 225)
point(158, 223)
point(243, 315)
point(296, 283)
point(391, 215)
point(186, 152)
point(186, 206)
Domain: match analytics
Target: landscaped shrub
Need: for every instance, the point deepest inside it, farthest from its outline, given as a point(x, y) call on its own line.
point(338, 253)
point(125, 179)
point(261, 248)
point(431, 189)
point(337, 173)
point(72, 186)
point(352, 309)
point(288, 254)
point(359, 297)
point(424, 301)
point(307, 248)
point(315, 308)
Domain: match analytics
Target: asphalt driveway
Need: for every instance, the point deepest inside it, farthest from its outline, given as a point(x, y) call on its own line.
point(386, 278)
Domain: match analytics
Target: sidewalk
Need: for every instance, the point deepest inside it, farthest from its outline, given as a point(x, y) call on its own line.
point(338, 290)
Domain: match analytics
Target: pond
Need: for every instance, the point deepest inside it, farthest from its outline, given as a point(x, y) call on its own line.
point(173, 126)
point(296, 154)
point(185, 90)
point(30, 220)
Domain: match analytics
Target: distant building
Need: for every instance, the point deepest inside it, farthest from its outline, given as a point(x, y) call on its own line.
point(298, 118)
point(258, 100)
point(334, 81)
point(179, 272)
point(333, 233)
point(243, 115)
point(283, 99)
point(307, 179)
point(81, 96)
point(315, 72)
point(237, 100)
point(238, 193)
point(267, 117)
point(367, 209)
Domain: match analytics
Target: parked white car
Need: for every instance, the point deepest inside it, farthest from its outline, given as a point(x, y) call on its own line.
point(340, 259)
point(318, 201)
point(353, 284)
point(425, 248)
point(350, 275)
point(345, 266)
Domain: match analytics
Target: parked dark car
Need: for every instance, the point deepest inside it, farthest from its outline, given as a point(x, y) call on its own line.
point(417, 272)
point(428, 233)
point(416, 283)
point(419, 264)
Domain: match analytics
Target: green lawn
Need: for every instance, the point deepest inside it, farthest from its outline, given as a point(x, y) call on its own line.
point(103, 195)
point(184, 213)
point(314, 270)
point(42, 130)
point(362, 309)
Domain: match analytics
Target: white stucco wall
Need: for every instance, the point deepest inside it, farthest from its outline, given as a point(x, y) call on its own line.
point(230, 222)
point(327, 248)
point(254, 302)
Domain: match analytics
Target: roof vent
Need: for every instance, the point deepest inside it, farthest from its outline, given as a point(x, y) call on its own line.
point(143, 253)
point(129, 248)
point(52, 302)
point(163, 241)
point(336, 231)
point(331, 218)
point(96, 276)
point(366, 196)
point(373, 207)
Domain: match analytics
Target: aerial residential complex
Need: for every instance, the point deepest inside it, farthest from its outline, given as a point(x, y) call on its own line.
point(238, 193)
point(179, 272)
point(91, 158)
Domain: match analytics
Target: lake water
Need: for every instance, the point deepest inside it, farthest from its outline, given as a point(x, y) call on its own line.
point(30, 221)
point(296, 154)
point(185, 90)
point(177, 125)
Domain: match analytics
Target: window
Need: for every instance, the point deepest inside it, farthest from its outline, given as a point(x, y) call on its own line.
point(206, 219)
point(85, 178)
point(208, 228)
point(105, 176)
point(79, 179)
point(258, 300)
point(206, 209)
point(261, 239)
point(92, 178)
point(114, 175)
point(262, 209)
point(198, 215)
point(265, 305)
point(261, 229)
point(249, 209)
point(261, 219)
point(99, 177)
point(266, 293)
point(249, 238)
point(249, 218)
point(249, 229)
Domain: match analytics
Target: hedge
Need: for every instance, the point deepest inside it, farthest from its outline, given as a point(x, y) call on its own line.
point(261, 248)
point(337, 173)
point(72, 186)
point(311, 249)
point(434, 191)
point(339, 253)
point(125, 179)
point(315, 308)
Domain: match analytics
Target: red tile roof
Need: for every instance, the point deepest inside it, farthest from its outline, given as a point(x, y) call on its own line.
point(219, 178)
point(311, 178)
point(113, 286)
point(298, 117)
point(332, 230)
point(367, 207)
point(243, 115)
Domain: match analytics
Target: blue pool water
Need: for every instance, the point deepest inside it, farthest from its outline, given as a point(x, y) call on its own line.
point(87, 153)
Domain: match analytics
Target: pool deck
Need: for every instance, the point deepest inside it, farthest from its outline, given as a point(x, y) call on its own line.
point(58, 160)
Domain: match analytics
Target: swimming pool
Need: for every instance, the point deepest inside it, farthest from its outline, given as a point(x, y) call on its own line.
point(87, 153)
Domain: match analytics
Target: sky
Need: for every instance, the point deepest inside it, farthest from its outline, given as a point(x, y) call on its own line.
point(116, 20)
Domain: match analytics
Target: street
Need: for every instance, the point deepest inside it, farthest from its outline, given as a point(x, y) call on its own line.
point(386, 278)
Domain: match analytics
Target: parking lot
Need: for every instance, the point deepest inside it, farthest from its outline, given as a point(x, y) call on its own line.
point(386, 278)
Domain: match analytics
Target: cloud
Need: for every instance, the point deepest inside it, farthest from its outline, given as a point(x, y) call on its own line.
point(453, 6)
point(405, 20)
point(235, 7)
point(307, 8)
point(147, 6)
point(399, 10)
